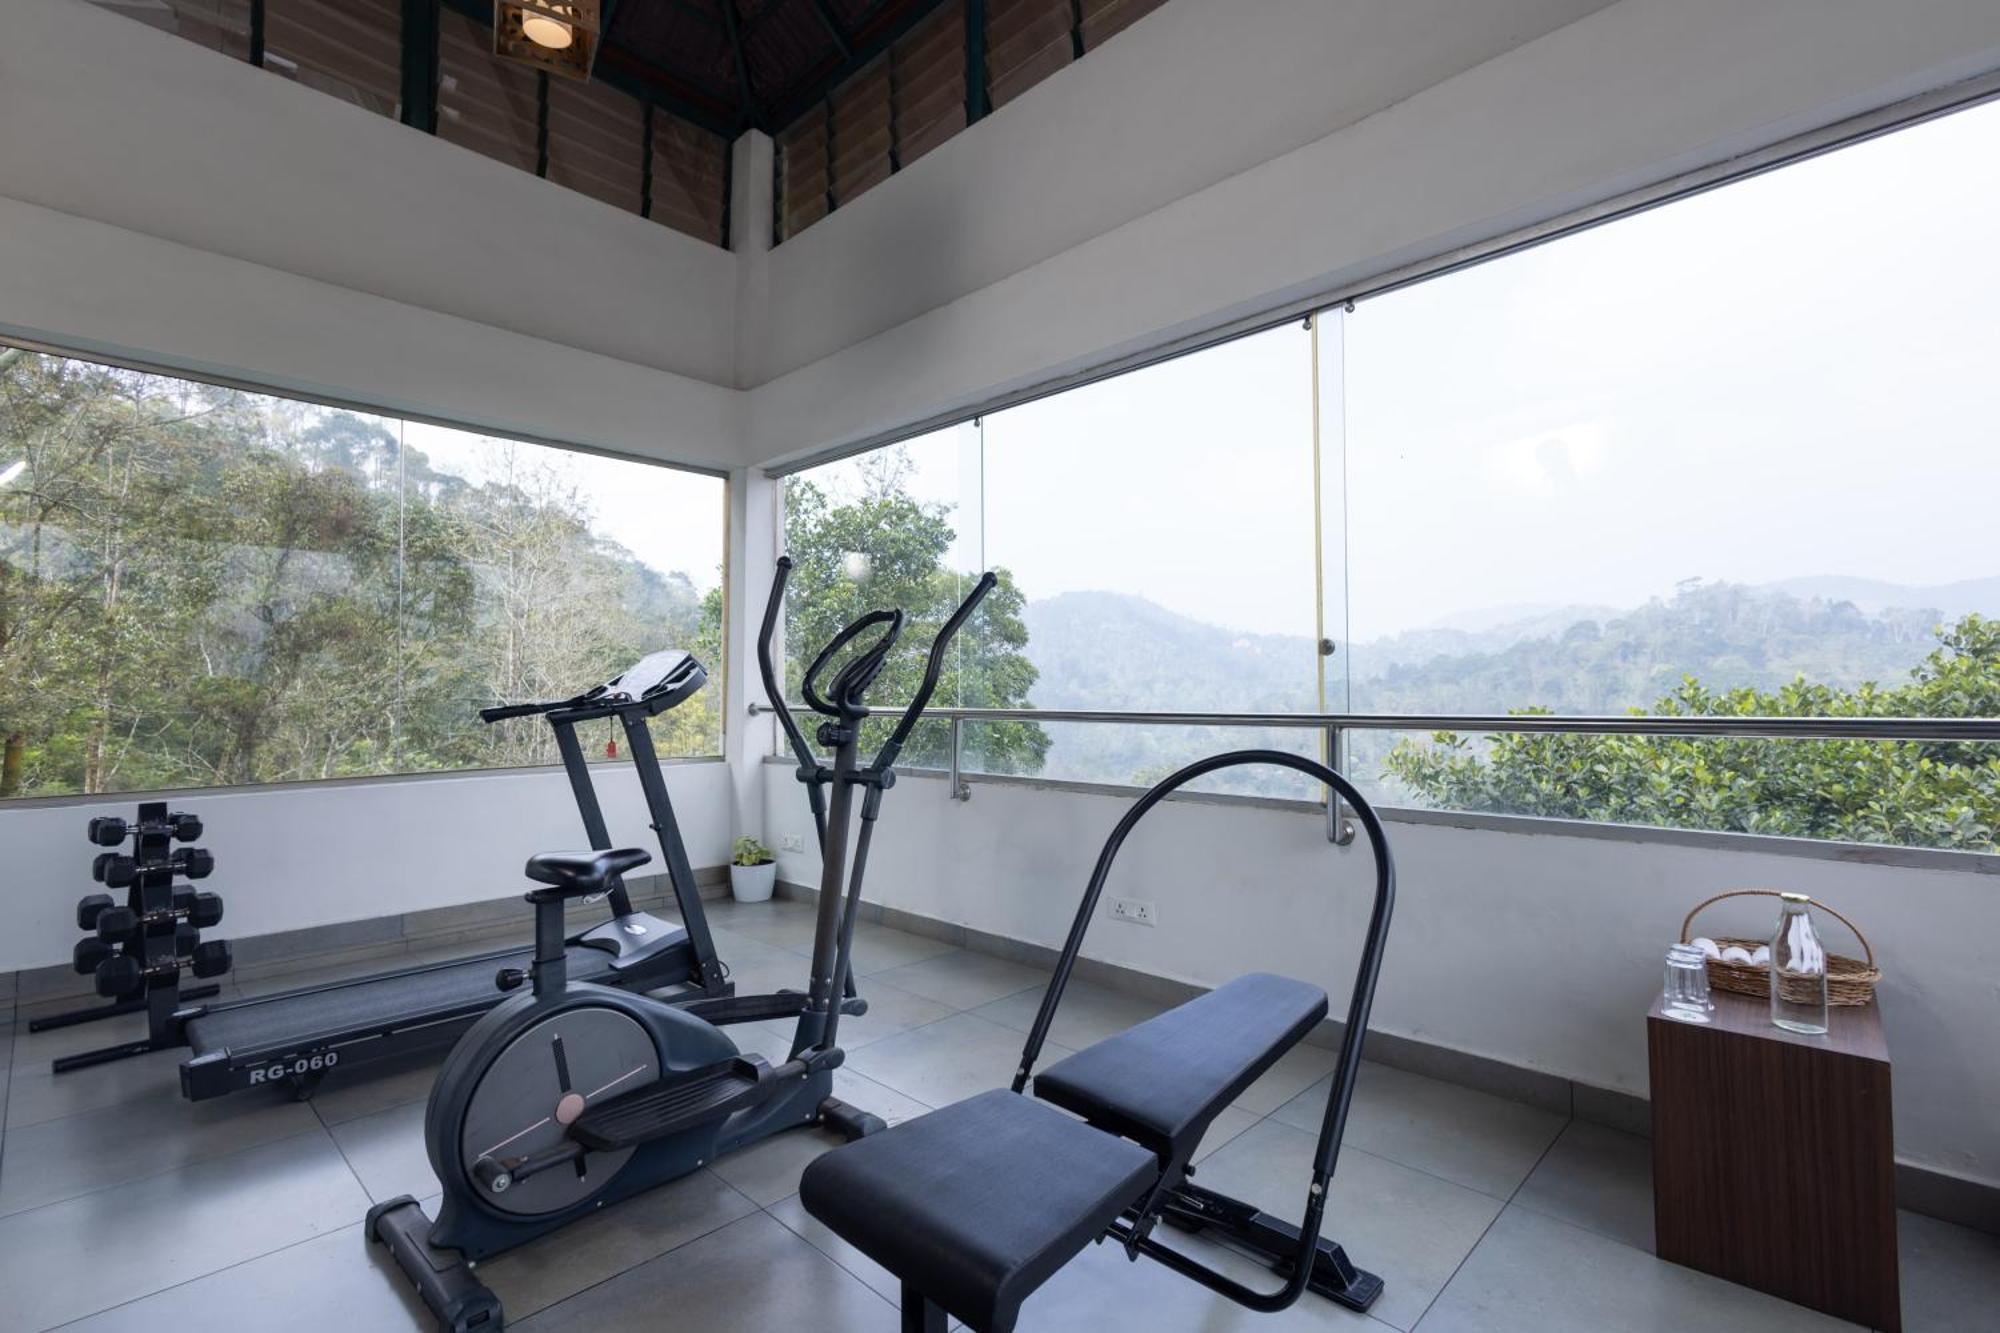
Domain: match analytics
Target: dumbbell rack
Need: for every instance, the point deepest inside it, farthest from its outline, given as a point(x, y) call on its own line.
point(147, 956)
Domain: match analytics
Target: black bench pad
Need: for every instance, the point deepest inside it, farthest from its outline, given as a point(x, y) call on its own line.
point(1162, 1083)
point(976, 1205)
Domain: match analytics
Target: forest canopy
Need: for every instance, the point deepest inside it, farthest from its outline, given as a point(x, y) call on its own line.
point(205, 587)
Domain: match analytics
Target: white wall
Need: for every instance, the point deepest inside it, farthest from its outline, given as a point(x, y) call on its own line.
point(325, 853)
point(1192, 94)
point(1540, 950)
point(163, 203)
point(1631, 95)
point(111, 119)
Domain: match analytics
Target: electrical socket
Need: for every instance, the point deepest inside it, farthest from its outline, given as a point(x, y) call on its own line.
point(1138, 913)
point(792, 842)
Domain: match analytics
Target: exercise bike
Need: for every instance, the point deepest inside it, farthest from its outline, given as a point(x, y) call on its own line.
point(573, 1095)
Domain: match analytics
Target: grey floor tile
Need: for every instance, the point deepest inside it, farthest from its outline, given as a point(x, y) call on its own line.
point(822, 1238)
point(752, 1274)
point(101, 1250)
point(878, 948)
point(890, 1010)
point(348, 1094)
point(735, 947)
point(1228, 1124)
point(1597, 1179)
point(947, 1061)
point(1088, 1013)
point(787, 926)
point(768, 973)
point(1537, 1275)
point(1411, 1228)
point(58, 1159)
point(769, 1170)
point(35, 1094)
point(963, 979)
point(579, 1256)
point(1950, 1277)
point(335, 1283)
point(1296, 1070)
point(387, 1151)
point(1474, 1138)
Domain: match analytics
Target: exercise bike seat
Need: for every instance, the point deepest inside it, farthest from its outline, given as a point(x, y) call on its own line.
point(581, 874)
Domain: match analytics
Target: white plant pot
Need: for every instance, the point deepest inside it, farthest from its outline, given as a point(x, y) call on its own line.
point(753, 884)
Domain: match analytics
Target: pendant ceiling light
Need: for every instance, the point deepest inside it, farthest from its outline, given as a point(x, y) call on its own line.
point(559, 36)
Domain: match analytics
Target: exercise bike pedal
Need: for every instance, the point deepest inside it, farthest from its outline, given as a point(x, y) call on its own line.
point(656, 1111)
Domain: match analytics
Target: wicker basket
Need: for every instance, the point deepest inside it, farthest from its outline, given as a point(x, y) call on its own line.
point(1848, 980)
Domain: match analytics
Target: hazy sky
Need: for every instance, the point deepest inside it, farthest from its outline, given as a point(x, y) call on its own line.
point(1797, 374)
point(671, 520)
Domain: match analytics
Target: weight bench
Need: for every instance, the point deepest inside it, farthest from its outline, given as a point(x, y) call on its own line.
point(976, 1205)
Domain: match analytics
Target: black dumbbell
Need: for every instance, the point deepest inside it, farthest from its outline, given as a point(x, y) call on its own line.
point(116, 925)
point(109, 830)
point(88, 954)
point(211, 959)
point(202, 909)
point(193, 862)
point(87, 909)
point(113, 869)
point(122, 975)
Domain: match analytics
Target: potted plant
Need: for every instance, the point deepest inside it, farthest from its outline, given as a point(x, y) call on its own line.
point(753, 871)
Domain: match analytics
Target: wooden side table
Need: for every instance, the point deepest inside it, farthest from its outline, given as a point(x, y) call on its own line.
point(1774, 1156)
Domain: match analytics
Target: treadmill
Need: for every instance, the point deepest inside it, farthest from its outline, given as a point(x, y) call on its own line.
point(296, 1037)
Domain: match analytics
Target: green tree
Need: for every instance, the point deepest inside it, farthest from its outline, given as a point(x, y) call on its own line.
point(898, 547)
point(1912, 793)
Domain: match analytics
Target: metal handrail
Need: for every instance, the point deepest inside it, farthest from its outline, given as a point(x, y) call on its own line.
point(1336, 726)
point(1938, 729)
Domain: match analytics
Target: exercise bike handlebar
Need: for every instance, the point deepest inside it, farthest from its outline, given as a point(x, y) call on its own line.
point(933, 668)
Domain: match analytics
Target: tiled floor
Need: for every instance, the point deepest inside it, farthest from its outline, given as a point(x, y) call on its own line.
point(121, 1206)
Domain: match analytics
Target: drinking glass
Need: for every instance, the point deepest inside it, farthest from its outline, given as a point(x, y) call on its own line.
point(1686, 996)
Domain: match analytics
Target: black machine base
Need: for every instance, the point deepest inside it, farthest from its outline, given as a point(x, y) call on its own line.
point(1246, 1227)
point(136, 1005)
point(460, 1301)
point(850, 1122)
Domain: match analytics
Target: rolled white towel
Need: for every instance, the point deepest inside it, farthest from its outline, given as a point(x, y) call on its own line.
point(1736, 953)
point(1706, 945)
point(1762, 958)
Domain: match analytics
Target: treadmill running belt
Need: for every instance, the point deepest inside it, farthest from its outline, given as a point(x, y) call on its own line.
point(369, 1004)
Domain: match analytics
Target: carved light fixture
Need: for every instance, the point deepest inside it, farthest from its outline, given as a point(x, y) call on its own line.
point(559, 36)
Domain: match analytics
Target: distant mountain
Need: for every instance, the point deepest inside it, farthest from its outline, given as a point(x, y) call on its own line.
point(1950, 600)
point(1113, 650)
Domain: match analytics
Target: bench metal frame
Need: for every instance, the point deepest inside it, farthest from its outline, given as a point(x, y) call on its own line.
point(1297, 1252)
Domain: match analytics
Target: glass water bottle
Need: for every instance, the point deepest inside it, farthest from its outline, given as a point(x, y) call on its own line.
point(1798, 970)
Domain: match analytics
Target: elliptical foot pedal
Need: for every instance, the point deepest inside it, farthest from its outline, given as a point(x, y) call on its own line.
point(701, 1097)
point(850, 1122)
point(460, 1301)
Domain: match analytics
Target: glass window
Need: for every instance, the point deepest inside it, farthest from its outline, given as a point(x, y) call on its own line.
point(1732, 455)
point(1729, 456)
point(201, 586)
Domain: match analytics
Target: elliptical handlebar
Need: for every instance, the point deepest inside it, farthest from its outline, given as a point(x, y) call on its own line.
point(933, 668)
point(773, 690)
point(860, 671)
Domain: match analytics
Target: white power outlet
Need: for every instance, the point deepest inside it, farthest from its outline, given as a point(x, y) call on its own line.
point(792, 842)
point(1131, 909)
